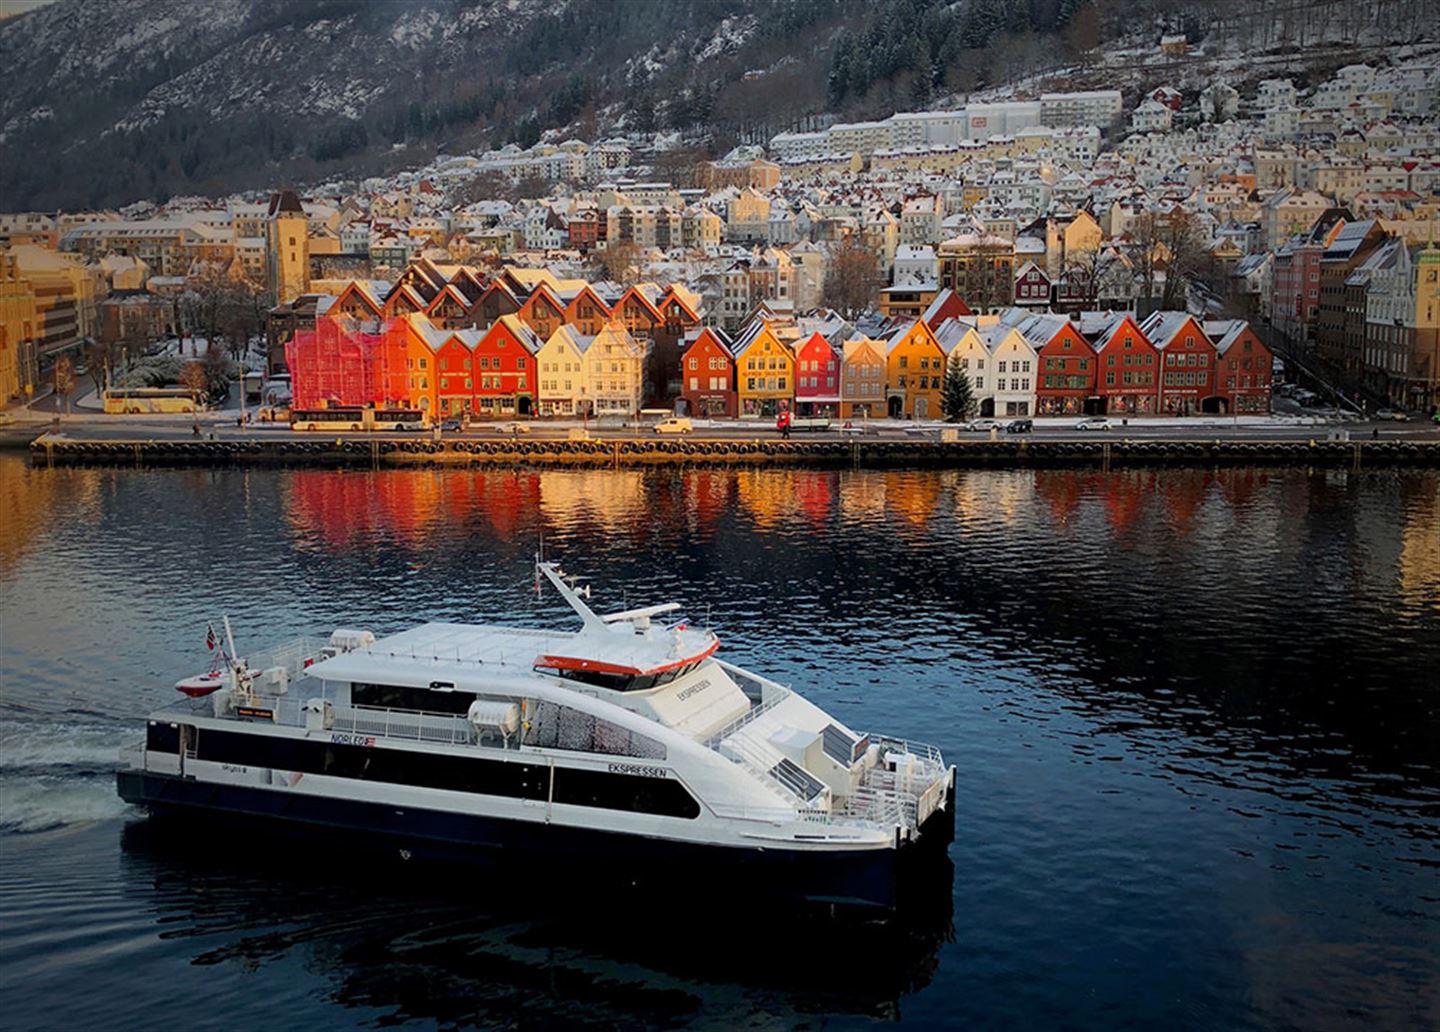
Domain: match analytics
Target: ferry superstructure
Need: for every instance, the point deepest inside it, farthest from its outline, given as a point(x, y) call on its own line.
point(628, 740)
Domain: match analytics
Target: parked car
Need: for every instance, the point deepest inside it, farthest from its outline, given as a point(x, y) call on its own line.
point(1019, 426)
point(675, 425)
point(986, 424)
point(1093, 423)
point(1397, 415)
point(451, 426)
point(511, 428)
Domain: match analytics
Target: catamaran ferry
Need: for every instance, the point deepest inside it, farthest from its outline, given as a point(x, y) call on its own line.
point(626, 741)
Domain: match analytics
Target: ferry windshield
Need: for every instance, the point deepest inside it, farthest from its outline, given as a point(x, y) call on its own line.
point(621, 682)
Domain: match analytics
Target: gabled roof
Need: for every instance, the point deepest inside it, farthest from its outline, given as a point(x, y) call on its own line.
point(947, 305)
point(567, 334)
point(716, 336)
point(687, 300)
point(361, 290)
point(812, 339)
point(1111, 332)
point(636, 293)
point(466, 338)
point(1162, 327)
point(1225, 332)
point(750, 333)
point(952, 332)
point(434, 337)
point(855, 345)
point(453, 293)
point(543, 294)
point(898, 336)
point(1040, 329)
point(996, 334)
point(520, 330)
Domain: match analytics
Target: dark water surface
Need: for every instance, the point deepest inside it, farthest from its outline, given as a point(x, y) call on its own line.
point(1196, 718)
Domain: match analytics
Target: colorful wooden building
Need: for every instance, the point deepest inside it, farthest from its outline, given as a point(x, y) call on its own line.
point(862, 379)
point(560, 365)
point(708, 376)
point(765, 372)
point(1187, 363)
point(1128, 367)
point(505, 369)
point(817, 378)
point(1066, 362)
point(1244, 367)
point(915, 373)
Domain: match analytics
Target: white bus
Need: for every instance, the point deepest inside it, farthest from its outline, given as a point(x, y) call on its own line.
point(357, 418)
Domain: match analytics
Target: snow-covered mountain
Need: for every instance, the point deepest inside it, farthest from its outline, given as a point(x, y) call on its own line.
point(128, 98)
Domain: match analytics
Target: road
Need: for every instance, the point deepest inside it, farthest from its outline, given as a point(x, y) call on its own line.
point(180, 428)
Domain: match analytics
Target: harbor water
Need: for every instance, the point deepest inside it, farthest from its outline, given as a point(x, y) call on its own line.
point(1195, 715)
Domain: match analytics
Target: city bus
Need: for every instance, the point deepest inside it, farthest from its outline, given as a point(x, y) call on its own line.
point(352, 418)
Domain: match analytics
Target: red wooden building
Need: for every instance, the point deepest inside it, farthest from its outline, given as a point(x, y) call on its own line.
point(1066, 382)
point(708, 376)
point(1187, 364)
point(1129, 368)
point(455, 373)
point(817, 377)
point(1244, 367)
point(1032, 287)
point(504, 368)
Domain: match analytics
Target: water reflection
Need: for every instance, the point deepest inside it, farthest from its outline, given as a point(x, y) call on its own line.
point(1193, 712)
point(487, 947)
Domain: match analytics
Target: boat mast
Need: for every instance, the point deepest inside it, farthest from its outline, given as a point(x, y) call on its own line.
point(570, 594)
point(235, 664)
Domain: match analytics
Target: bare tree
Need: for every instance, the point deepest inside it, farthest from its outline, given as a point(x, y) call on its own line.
point(620, 262)
point(487, 186)
point(64, 375)
point(852, 278)
point(195, 380)
point(985, 283)
point(1082, 270)
point(101, 354)
point(531, 188)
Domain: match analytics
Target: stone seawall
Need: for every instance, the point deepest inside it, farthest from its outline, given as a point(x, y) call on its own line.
point(57, 451)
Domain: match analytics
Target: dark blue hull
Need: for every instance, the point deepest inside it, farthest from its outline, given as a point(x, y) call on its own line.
point(871, 878)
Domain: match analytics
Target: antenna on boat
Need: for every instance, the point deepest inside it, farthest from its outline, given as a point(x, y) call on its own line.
point(565, 584)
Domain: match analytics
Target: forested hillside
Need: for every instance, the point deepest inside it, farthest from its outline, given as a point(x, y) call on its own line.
point(111, 102)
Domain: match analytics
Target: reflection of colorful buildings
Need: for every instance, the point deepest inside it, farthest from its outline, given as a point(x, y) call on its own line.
point(338, 509)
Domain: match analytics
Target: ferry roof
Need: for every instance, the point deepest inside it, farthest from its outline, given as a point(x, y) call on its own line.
point(618, 648)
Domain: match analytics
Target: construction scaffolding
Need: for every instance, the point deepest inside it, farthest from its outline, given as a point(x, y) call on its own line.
point(347, 361)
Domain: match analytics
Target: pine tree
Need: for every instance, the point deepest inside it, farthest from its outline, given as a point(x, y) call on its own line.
point(957, 400)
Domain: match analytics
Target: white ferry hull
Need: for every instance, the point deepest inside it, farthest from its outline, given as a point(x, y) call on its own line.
point(869, 878)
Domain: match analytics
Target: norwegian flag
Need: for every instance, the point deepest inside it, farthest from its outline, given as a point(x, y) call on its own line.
point(210, 639)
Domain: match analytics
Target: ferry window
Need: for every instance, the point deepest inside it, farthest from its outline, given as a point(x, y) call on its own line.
point(563, 727)
point(600, 679)
point(603, 790)
point(162, 737)
point(403, 697)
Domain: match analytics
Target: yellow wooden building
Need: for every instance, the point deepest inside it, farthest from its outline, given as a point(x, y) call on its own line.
point(914, 372)
point(765, 372)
